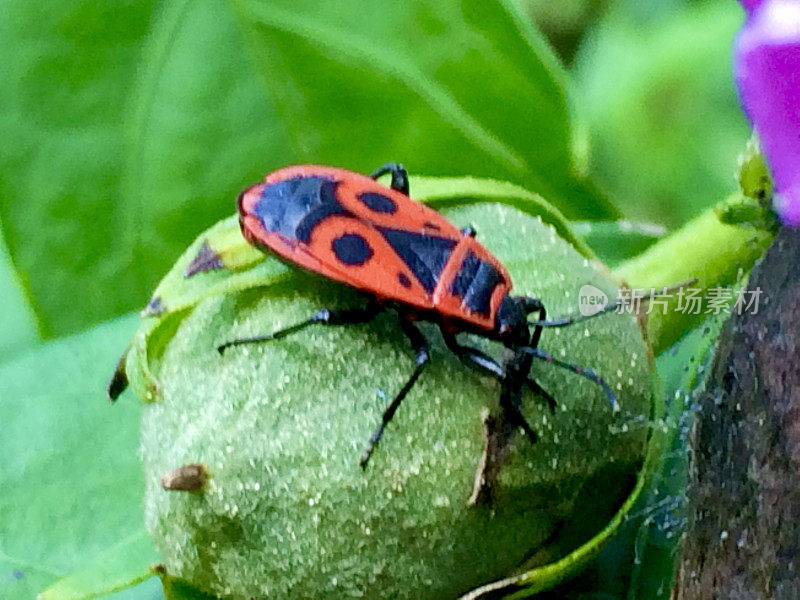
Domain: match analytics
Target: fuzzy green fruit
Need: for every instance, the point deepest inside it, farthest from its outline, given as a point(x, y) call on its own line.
point(287, 512)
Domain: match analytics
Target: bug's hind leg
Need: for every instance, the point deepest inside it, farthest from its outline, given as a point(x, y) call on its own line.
point(399, 176)
point(420, 346)
point(325, 316)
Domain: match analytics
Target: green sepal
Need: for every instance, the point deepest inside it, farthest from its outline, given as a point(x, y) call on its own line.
point(241, 267)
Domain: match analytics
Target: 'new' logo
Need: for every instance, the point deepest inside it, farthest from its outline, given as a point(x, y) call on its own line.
point(591, 300)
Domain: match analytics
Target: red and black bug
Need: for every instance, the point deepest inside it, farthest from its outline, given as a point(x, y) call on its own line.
point(408, 258)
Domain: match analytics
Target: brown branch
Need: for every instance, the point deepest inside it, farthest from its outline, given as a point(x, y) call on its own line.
point(743, 536)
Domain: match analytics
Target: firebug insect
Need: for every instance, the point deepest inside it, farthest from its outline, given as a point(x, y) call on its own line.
point(408, 258)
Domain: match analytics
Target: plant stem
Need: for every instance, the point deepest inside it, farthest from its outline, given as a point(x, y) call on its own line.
point(711, 253)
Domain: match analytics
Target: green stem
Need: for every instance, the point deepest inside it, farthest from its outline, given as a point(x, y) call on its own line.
point(713, 254)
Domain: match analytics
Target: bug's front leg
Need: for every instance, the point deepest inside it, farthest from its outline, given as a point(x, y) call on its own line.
point(499, 428)
point(475, 358)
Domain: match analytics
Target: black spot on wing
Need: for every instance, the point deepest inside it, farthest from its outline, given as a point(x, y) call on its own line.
point(404, 281)
point(425, 255)
point(295, 206)
point(475, 283)
point(378, 202)
point(352, 249)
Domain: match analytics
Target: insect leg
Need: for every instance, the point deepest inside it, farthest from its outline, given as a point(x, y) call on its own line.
point(537, 389)
point(420, 346)
point(473, 356)
point(348, 316)
point(476, 358)
point(534, 305)
point(399, 176)
point(578, 370)
point(517, 369)
point(529, 305)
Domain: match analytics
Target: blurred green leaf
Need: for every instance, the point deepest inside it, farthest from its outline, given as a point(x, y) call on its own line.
point(447, 88)
point(665, 121)
point(18, 329)
point(148, 590)
point(615, 241)
point(119, 567)
point(203, 129)
point(66, 80)
point(70, 470)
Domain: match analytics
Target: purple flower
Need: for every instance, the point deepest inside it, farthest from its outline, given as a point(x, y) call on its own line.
point(767, 72)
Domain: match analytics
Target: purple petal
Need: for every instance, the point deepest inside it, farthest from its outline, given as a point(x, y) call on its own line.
point(767, 71)
point(750, 5)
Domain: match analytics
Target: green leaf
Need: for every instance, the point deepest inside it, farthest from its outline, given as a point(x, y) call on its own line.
point(150, 589)
point(662, 110)
point(281, 428)
point(17, 322)
point(441, 192)
point(66, 81)
point(119, 567)
point(203, 129)
point(70, 471)
point(178, 290)
point(158, 160)
point(447, 88)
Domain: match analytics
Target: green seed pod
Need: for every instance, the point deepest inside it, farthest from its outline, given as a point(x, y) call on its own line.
point(285, 509)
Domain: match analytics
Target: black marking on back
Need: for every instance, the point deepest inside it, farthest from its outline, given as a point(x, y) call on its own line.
point(475, 283)
point(378, 202)
point(295, 206)
point(425, 255)
point(206, 259)
point(154, 308)
point(404, 281)
point(351, 249)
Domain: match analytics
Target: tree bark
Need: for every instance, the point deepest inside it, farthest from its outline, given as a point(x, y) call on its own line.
point(743, 532)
